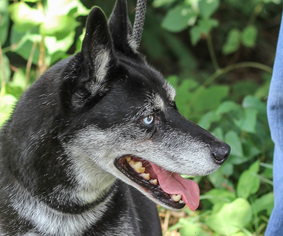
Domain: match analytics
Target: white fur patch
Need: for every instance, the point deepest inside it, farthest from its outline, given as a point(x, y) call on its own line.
point(133, 44)
point(159, 103)
point(52, 222)
point(92, 181)
point(101, 64)
point(171, 92)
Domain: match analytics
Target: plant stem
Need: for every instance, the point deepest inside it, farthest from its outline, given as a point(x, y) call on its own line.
point(3, 83)
point(41, 61)
point(29, 63)
point(265, 180)
point(42, 53)
point(225, 70)
point(257, 10)
point(211, 52)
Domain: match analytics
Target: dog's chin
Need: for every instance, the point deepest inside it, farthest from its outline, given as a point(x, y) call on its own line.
point(141, 175)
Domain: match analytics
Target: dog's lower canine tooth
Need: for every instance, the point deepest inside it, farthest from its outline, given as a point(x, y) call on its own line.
point(146, 176)
point(176, 197)
point(153, 181)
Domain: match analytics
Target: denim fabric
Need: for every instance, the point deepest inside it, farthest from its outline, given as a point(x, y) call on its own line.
point(275, 119)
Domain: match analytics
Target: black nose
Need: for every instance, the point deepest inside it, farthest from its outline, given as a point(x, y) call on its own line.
point(220, 151)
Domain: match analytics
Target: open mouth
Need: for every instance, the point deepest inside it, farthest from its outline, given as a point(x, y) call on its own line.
point(166, 187)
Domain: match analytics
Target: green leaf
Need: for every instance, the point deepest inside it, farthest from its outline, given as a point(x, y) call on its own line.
point(255, 167)
point(207, 119)
point(231, 217)
point(254, 102)
point(249, 36)
point(192, 229)
point(7, 70)
point(25, 42)
point(241, 234)
point(59, 26)
point(233, 42)
point(80, 42)
point(160, 3)
point(264, 203)
point(248, 121)
point(184, 95)
point(249, 182)
point(7, 103)
point(219, 177)
point(24, 16)
point(19, 80)
point(179, 18)
point(220, 195)
point(206, 25)
point(4, 21)
point(202, 29)
point(227, 107)
point(195, 34)
point(234, 141)
point(65, 7)
point(218, 132)
point(207, 7)
point(206, 99)
point(56, 48)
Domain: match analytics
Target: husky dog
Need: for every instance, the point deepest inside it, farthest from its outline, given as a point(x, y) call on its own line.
point(97, 140)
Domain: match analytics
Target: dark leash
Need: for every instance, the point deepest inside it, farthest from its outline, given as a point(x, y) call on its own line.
point(139, 21)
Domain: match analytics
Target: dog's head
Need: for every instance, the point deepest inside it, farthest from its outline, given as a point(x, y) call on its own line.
point(125, 119)
point(104, 114)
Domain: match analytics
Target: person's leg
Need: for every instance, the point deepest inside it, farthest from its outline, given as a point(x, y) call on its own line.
point(275, 119)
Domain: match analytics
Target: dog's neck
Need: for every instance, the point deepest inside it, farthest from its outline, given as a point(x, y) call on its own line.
point(69, 186)
point(89, 187)
point(92, 182)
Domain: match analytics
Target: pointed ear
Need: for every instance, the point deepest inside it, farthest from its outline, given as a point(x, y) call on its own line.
point(121, 28)
point(88, 74)
point(97, 47)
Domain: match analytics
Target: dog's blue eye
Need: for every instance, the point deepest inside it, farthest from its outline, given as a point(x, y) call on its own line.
point(148, 120)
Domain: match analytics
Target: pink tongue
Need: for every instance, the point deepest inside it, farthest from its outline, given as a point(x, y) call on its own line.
point(173, 183)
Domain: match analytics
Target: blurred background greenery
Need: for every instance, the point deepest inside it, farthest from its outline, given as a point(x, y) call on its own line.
point(218, 54)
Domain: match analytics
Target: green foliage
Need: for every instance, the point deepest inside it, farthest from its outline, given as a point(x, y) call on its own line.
point(42, 33)
point(239, 183)
point(249, 183)
point(186, 14)
point(215, 87)
point(241, 200)
point(4, 22)
point(229, 218)
point(178, 18)
point(236, 38)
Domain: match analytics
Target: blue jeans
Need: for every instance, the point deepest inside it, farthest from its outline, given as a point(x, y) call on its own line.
point(275, 119)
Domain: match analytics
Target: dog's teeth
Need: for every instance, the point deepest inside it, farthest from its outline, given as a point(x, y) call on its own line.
point(137, 166)
point(146, 176)
point(176, 197)
point(132, 163)
point(153, 181)
point(181, 201)
point(128, 158)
